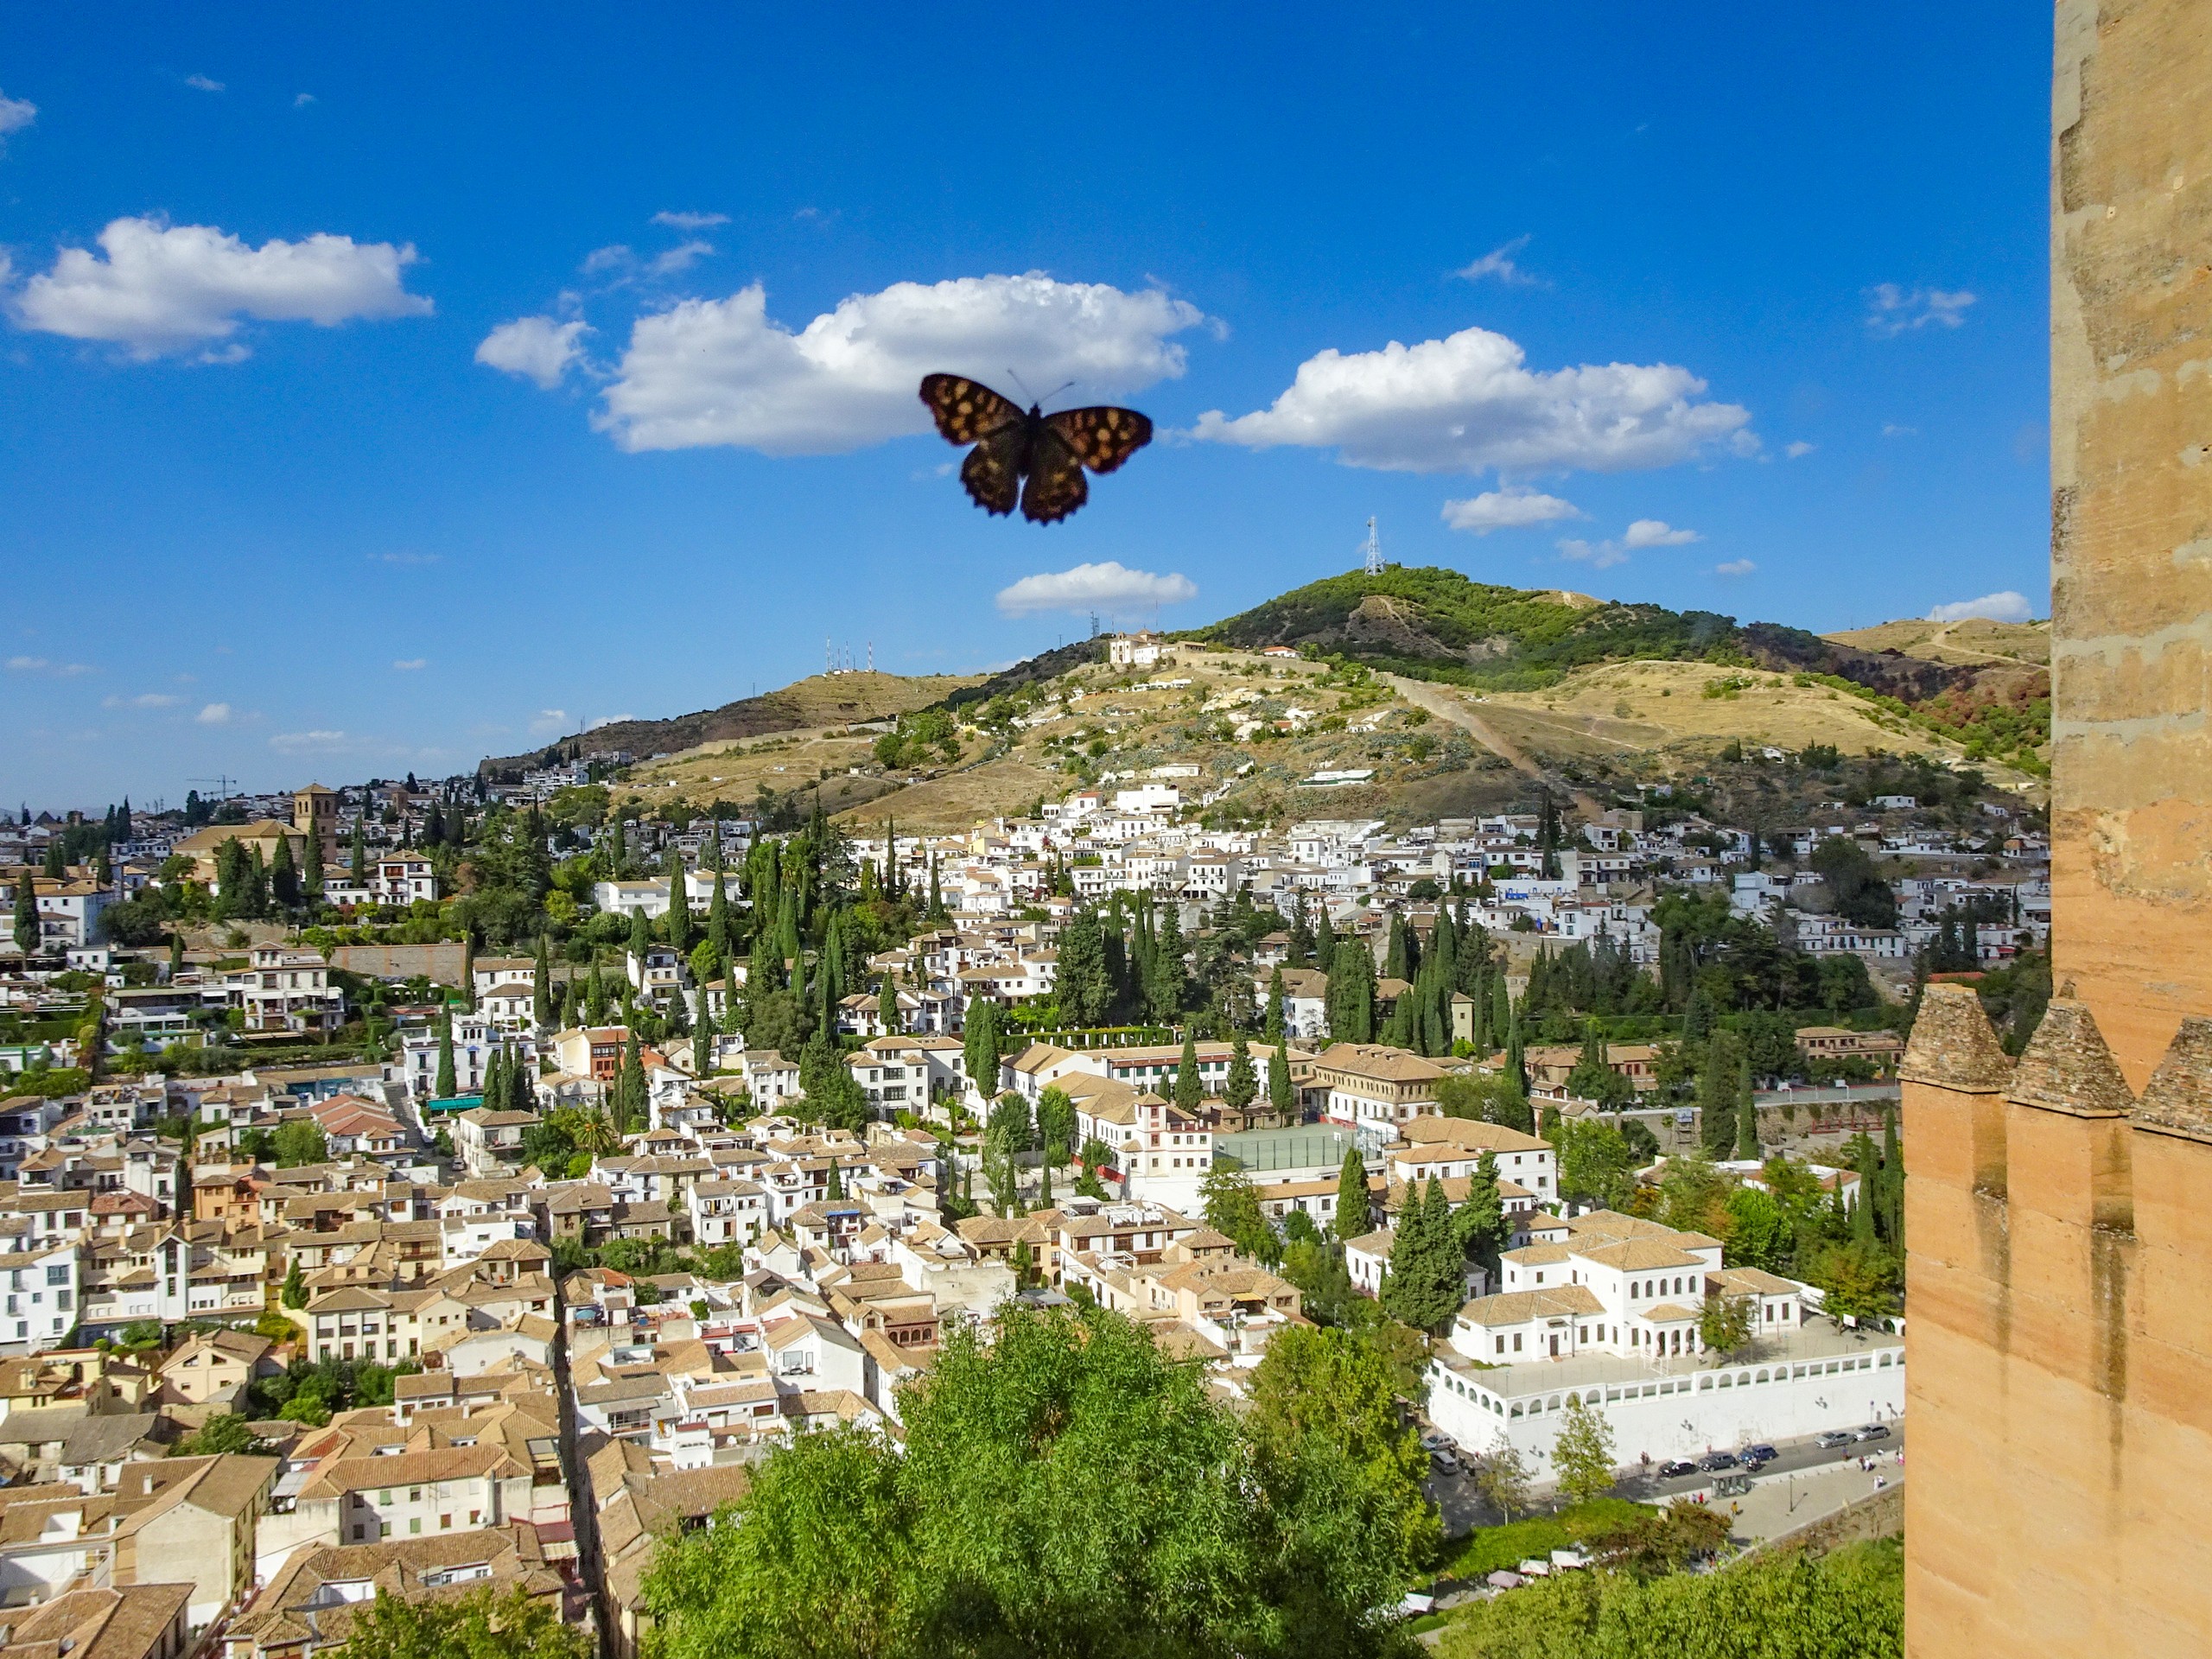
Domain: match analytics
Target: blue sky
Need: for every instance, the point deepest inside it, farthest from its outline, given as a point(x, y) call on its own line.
point(386, 390)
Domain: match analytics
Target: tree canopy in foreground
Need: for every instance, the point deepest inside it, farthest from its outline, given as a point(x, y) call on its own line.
point(1066, 1489)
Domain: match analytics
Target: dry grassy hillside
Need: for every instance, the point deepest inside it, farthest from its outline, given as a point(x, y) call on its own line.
point(1974, 641)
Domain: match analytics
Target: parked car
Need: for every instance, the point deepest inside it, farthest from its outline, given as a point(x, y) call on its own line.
point(1714, 1462)
point(1675, 1469)
point(1763, 1453)
point(1872, 1431)
point(1444, 1463)
point(1433, 1441)
point(1833, 1438)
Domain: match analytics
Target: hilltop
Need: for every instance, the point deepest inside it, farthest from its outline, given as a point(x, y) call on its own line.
point(1414, 694)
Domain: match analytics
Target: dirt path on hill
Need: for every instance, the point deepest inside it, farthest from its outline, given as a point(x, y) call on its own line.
point(1446, 706)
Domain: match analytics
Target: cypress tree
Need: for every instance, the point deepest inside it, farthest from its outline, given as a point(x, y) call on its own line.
point(1324, 941)
point(718, 934)
point(1277, 1020)
point(1352, 1216)
point(1501, 1011)
point(641, 935)
point(1396, 962)
point(1716, 1095)
point(1480, 1224)
point(495, 1080)
point(886, 1004)
point(1301, 934)
point(360, 847)
point(1240, 1086)
point(444, 1084)
point(1279, 1089)
point(703, 1046)
point(541, 990)
point(1351, 993)
point(1747, 1121)
point(26, 909)
point(1190, 1090)
point(679, 903)
point(1892, 1174)
point(311, 869)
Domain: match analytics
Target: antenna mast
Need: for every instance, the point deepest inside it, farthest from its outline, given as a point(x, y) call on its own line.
point(1372, 547)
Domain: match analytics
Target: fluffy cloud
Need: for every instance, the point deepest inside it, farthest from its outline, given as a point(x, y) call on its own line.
point(205, 84)
point(550, 720)
point(1108, 587)
point(42, 665)
point(143, 700)
point(1655, 532)
point(215, 714)
point(1507, 509)
point(1468, 402)
point(1498, 263)
point(303, 742)
point(1799, 449)
point(167, 288)
point(1891, 430)
point(537, 348)
point(15, 114)
point(723, 372)
point(26, 664)
point(690, 221)
point(1892, 311)
point(1735, 567)
point(2007, 607)
point(408, 664)
point(597, 720)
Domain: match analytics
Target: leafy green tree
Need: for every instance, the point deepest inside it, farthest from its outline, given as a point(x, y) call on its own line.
point(1065, 1491)
point(224, 1431)
point(1240, 1087)
point(631, 1092)
point(1056, 1125)
point(1166, 980)
point(1650, 1544)
point(1503, 1478)
point(26, 911)
point(980, 1043)
point(1724, 1323)
point(1595, 1164)
point(1233, 1210)
point(1083, 986)
point(1759, 1233)
point(679, 903)
point(1277, 1020)
point(299, 1142)
point(1428, 1283)
point(480, 1624)
point(1858, 1281)
point(1353, 1215)
point(1280, 1092)
point(294, 1293)
point(1747, 1123)
point(1582, 1456)
point(311, 875)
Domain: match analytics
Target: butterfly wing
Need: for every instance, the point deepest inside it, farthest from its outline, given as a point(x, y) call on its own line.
point(1056, 487)
point(992, 469)
point(1102, 437)
point(967, 411)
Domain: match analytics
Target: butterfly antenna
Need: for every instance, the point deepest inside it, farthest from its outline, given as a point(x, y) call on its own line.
point(1020, 381)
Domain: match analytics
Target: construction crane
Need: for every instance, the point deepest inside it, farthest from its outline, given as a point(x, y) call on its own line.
point(228, 785)
point(1372, 547)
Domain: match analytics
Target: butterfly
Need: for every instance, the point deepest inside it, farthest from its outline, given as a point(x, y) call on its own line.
point(1051, 451)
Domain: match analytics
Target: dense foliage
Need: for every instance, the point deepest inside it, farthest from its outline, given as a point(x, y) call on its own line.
point(1065, 1490)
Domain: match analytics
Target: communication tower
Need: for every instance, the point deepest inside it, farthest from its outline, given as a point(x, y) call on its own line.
point(1373, 549)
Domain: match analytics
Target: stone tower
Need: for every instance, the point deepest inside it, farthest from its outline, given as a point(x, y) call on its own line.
point(2059, 1208)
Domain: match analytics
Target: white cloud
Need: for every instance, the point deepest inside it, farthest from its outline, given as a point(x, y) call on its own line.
point(1735, 567)
point(1891, 430)
point(597, 722)
point(405, 555)
point(406, 665)
point(143, 700)
point(536, 348)
point(26, 664)
point(42, 665)
point(215, 714)
point(550, 721)
point(1601, 555)
point(301, 743)
point(723, 372)
point(1108, 587)
point(1798, 449)
point(15, 114)
point(1498, 263)
point(301, 100)
point(690, 221)
point(1507, 509)
point(2007, 607)
point(1468, 402)
point(1655, 532)
point(165, 287)
point(1892, 311)
point(204, 84)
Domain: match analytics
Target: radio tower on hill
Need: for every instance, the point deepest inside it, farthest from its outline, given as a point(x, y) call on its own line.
point(1373, 548)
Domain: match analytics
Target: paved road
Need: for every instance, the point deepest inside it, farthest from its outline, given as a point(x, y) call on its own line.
point(1447, 706)
point(1463, 1508)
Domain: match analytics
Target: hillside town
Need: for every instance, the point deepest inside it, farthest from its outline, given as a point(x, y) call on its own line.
point(420, 1183)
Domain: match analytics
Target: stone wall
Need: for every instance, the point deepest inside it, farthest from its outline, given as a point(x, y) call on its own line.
point(2059, 1342)
point(2130, 364)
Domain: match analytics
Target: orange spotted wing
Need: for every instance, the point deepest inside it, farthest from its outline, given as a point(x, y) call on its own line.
point(1051, 451)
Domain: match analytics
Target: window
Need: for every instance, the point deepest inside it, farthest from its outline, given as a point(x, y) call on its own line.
point(57, 1275)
